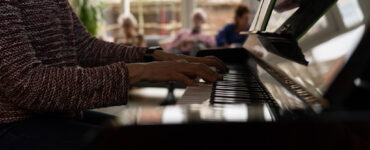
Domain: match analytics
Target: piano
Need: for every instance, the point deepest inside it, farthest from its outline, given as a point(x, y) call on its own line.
point(274, 97)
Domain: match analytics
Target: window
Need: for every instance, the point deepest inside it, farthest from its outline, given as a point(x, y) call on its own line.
point(320, 27)
point(154, 17)
point(351, 12)
point(277, 19)
point(157, 17)
point(163, 17)
point(220, 13)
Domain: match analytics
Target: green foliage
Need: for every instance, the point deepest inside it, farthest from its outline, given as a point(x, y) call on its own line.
point(88, 14)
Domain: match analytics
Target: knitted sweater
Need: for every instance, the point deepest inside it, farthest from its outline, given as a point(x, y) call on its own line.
point(50, 64)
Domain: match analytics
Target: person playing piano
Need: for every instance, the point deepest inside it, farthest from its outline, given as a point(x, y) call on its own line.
point(52, 69)
point(229, 36)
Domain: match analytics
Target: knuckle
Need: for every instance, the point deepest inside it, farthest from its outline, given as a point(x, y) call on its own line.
point(198, 65)
point(213, 57)
point(203, 66)
point(172, 75)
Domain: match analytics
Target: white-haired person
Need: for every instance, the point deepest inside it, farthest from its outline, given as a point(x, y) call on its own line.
point(130, 37)
point(188, 40)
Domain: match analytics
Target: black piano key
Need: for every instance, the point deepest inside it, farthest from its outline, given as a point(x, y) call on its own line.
point(232, 99)
point(247, 75)
point(240, 77)
point(237, 84)
point(231, 102)
point(239, 80)
point(241, 97)
point(240, 94)
point(234, 79)
point(223, 100)
point(238, 71)
point(238, 88)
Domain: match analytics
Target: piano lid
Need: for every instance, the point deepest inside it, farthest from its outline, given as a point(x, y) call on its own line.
point(293, 28)
point(328, 45)
point(304, 17)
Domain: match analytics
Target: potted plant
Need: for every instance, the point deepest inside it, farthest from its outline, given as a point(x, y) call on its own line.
point(88, 14)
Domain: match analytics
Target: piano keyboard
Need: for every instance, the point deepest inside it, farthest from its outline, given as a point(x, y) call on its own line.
point(238, 86)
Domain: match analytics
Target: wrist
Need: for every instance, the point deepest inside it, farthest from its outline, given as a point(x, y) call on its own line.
point(149, 55)
point(163, 56)
point(136, 72)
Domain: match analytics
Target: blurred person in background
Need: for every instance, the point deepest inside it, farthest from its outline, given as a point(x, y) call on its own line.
point(189, 41)
point(52, 70)
point(229, 36)
point(130, 37)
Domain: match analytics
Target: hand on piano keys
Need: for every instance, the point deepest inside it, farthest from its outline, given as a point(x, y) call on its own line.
point(210, 61)
point(180, 71)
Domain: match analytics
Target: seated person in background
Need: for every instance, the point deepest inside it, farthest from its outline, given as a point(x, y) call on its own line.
point(229, 36)
point(188, 40)
point(130, 36)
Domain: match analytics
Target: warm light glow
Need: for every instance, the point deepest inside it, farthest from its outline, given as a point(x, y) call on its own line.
point(235, 113)
point(156, 92)
point(173, 115)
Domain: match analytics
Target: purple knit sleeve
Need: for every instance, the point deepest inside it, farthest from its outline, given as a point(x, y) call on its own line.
point(95, 52)
point(28, 84)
